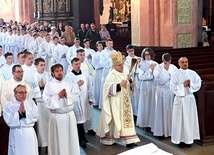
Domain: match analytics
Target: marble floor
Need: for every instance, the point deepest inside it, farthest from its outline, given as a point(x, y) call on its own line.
point(95, 148)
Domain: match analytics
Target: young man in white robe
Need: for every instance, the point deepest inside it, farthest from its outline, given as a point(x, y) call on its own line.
point(60, 96)
point(185, 127)
point(147, 100)
point(60, 54)
point(20, 114)
point(72, 51)
point(7, 67)
point(38, 41)
point(44, 51)
point(28, 68)
point(2, 58)
point(99, 70)
point(106, 63)
point(21, 58)
point(33, 47)
point(21, 41)
point(82, 110)
point(165, 97)
point(116, 119)
point(88, 51)
point(38, 81)
point(8, 86)
point(51, 50)
point(3, 41)
point(134, 75)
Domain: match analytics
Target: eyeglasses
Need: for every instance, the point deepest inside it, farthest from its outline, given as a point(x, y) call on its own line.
point(22, 93)
point(19, 72)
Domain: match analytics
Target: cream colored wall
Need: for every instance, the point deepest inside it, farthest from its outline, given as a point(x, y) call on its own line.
point(105, 16)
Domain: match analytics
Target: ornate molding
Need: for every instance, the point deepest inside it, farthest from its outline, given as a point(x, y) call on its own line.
point(183, 40)
point(184, 11)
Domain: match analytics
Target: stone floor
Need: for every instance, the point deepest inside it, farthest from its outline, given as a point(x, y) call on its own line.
point(95, 148)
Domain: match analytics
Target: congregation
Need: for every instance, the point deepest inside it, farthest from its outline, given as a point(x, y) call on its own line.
point(46, 76)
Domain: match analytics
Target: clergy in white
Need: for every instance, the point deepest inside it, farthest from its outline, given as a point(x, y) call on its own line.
point(8, 86)
point(28, 67)
point(106, 63)
point(83, 108)
point(72, 51)
point(44, 51)
point(99, 70)
point(165, 97)
point(51, 50)
point(88, 51)
point(60, 54)
point(185, 126)
point(134, 72)
point(38, 81)
point(146, 105)
point(60, 95)
point(2, 58)
point(116, 119)
point(20, 114)
point(7, 67)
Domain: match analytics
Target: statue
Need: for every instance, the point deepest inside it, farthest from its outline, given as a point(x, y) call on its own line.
point(111, 13)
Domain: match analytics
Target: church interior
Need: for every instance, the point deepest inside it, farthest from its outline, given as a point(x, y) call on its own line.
point(173, 27)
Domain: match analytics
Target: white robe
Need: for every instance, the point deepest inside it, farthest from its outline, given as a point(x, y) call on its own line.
point(106, 63)
point(2, 60)
point(8, 86)
point(146, 105)
point(116, 119)
point(185, 126)
point(82, 109)
point(22, 137)
point(45, 54)
point(21, 43)
point(97, 81)
point(7, 71)
point(134, 74)
point(34, 48)
point(28, 71)
point(72, 52)
point(44, 113)
point(51, 60)
point(87, 52)
point(62, 130)
point(58, 52)
point(165, 97)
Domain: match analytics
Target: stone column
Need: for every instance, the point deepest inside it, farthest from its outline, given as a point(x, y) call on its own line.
point(165, 23)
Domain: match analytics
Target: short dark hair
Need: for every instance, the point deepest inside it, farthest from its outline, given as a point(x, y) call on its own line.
point(47, 35)
point(55, 37)
point(55, 66)
point(75, 60)
point(77, 38)
point(125, 54)
point(99, 42)
point(86, 40)
point(27, 53)
point(151, 52)
point(0, 46)
point(129, 46)
point(80, 50)
point(20, 53)
point(8, 54)
point(38, 60)
point(166, 57)
point(14, 67)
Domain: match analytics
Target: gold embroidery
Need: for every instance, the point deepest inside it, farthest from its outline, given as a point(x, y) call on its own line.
point(127, 109)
